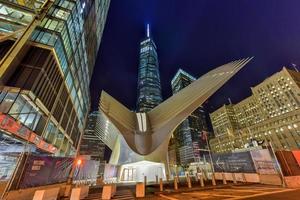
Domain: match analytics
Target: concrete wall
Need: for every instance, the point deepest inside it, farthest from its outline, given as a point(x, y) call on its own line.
point(228, 176)
point(27, 194)
point(252, 178)
point(270, 179)
point(218, 176)
point(292, 181)
point(240, 177)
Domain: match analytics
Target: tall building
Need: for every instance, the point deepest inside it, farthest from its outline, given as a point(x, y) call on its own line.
point(48, 51)
point(91, 145)
point(149, 88)
point(187, 136)
point(224, 120)
point(271, 113)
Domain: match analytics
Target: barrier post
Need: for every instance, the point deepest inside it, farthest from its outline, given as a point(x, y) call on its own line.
point(145, 180)
point(201, 180)
point(108, 191)
point(189, 181)
point(168, 177)
point(213, 180)
point(224, 179)
point(161, 185)
point(140, 189)
point(175, 183)
point(234, 178)
point(244, 178)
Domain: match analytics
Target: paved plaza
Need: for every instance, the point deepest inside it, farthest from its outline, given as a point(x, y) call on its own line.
point(237, 192)
point(221, 192)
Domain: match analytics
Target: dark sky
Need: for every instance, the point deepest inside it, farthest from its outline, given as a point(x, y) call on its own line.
point(197, 36)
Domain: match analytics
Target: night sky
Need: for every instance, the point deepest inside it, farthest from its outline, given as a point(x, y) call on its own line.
point(197, 36)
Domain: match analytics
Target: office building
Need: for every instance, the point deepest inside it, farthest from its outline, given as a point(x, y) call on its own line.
point(187, 136)
point(91, 145)
point(271, 113)
point(48, 51)
point(149, 88)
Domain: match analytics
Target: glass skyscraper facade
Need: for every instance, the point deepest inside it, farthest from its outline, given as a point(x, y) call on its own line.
point(48, 50)
point(187, 136)
point(149, 88)
point(91, 144)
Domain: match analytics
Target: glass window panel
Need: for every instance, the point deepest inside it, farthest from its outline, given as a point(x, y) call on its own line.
point(30, 120)
point(59, 139)
point(7, 102)
point(50, 133)
point(22, 118)
point(17, 106)
point(2, 95)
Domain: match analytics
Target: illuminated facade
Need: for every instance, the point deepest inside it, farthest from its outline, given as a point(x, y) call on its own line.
point(91, 145)
point(48, 50)
point(270, 114)
point(187, 136)
point(136, 137)
point(149, 89)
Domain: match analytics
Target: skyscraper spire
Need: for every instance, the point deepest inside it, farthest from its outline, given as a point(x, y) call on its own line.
point(148, 30)
point(149, 88)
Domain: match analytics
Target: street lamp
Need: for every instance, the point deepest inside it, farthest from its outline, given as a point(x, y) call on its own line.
point(78, 162)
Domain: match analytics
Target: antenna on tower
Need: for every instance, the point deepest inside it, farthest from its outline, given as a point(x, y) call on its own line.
point(148, 30)
point(295, 67)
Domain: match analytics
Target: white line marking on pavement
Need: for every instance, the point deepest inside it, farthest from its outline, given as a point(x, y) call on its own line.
point(166, 197)
point(262, 194)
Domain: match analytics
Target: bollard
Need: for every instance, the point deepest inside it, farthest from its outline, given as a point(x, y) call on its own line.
point(205, 176)
point(186, 177)
point(108, 191)
point(244, 178)
point(189, 182)
point(145, 180)
point(156, 178)
point(201, 180)
point(161, 185)
point(50, 193)
point(79, 192)
point(213, 180)
point(140, 189)
point(234, 178)
point(68, 190)
point(224, 179)
point(175, 183)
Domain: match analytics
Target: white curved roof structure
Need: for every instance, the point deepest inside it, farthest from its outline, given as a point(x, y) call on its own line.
point(148, 134)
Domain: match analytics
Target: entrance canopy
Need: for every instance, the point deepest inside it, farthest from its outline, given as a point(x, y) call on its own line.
point(135, 172)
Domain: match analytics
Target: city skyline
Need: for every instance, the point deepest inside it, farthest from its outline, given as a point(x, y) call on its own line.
point(181, 45)
point(149, 99)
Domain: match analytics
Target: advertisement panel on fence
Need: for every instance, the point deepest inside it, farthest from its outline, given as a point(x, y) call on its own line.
point(110, 171)
point(45, 170)
point(263, 161)
point(233, 162)
point(8, 163)
point(87, 170)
